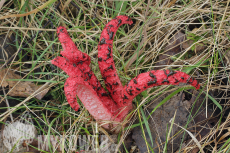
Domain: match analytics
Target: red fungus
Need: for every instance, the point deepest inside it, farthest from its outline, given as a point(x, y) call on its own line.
point(154, 78)
point(77, 63)
point(83, 83)
point(105, 57)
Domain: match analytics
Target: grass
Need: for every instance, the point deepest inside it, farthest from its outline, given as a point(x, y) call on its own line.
point(136, 49)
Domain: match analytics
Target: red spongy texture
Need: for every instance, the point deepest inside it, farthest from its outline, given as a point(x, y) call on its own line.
point(89, 97)
point(105, 56)
point(83, 82)
point(75, 84)
point(87, 75)
point(154, 78)
point(70, 50)
point(66, 66)
point(71, 94)
point(75, 65)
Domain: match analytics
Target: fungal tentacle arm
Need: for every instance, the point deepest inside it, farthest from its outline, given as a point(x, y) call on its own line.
point(154, 78)
point(70, 50)
point(105, 57)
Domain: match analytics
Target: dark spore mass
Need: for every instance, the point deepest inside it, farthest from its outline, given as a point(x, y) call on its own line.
point(89, 75)
point(80, 62)
point(151, 82)
point(125, 97)
point(111, 35)
point(176, 81)
point(151, 75)
point(104, 77)
point(108, 54)
point(128, 83)
point(189, 80)
point(119, 22)
point(129, 91)
point(138, 89)
point(115, 83)
point(197, 84)
point(99, 59)
point(110, 25)
point(165, 80)
point(110, 67)
point(102, 41)
point(109, 85)
point(128, 19)
point(135, 81)
point(109, 49)
point(171, 72)
point(104, 94)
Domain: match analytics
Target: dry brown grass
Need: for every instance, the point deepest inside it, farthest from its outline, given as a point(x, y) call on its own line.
point(137, 49)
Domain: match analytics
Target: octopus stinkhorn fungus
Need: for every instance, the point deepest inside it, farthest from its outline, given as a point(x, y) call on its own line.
point(115, 105)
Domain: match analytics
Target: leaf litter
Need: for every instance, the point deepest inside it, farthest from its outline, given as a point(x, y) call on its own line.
point(160, 119)
point(176, 45)
point(21, 89)
point(199, 125)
